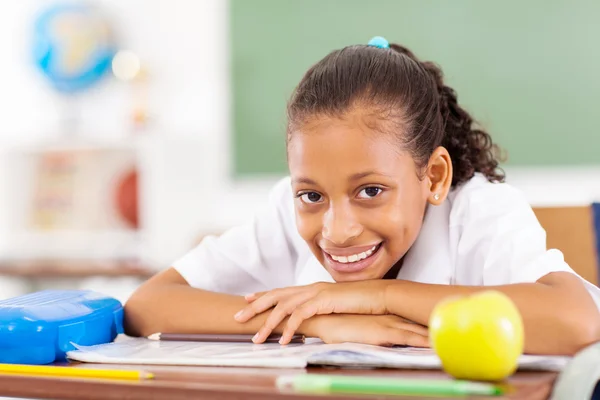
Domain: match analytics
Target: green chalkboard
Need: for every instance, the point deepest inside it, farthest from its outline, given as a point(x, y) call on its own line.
point(529, 71)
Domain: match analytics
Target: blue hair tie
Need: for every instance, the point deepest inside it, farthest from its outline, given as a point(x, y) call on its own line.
point(379, 42)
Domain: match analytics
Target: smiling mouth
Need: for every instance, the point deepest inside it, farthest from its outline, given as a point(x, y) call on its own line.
point(356, 257)
point(354, 262)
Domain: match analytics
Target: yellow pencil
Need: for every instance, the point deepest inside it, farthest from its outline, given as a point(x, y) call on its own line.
point(70, 372)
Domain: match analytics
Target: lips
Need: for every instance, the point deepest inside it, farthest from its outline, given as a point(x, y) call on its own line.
point(352, 259)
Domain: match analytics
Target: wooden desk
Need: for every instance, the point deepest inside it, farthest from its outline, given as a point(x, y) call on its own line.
point(53, 269)
point(186, 383)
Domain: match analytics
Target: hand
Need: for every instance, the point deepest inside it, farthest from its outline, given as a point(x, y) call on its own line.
point(380, 330)
point(302, 302)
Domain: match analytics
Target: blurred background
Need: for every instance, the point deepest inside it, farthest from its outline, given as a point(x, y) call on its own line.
point(130, 129)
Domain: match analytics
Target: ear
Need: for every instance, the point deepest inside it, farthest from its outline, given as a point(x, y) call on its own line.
point(439, 176)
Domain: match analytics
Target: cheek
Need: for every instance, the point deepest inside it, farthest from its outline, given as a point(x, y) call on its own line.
point(400, 221)
point(308, 224)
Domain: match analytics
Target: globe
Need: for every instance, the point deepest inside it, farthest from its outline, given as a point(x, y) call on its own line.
point(72, 46)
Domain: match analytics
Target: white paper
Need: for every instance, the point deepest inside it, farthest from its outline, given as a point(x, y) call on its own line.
point(273, 355)
point(144, 351)
point(361, 355)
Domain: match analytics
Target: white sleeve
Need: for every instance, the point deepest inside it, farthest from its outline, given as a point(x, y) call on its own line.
point(249, 258)
point(501, 240)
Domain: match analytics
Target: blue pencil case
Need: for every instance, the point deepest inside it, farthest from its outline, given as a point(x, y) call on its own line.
point(39, 328)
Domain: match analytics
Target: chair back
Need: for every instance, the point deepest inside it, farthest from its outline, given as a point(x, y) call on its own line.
point(572, 231)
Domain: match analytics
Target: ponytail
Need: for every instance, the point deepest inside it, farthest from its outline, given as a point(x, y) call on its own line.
point(470, 149)
point(411, 98)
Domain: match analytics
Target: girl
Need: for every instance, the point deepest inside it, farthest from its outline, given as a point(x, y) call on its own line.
point(394, 202)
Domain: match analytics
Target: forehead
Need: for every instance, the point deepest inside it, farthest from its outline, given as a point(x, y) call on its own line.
point(337, 148)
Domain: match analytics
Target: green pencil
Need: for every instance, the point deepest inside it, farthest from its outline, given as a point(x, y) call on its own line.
point(315, 383)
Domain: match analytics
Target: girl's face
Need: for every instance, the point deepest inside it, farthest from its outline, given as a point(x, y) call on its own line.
point(359, 200)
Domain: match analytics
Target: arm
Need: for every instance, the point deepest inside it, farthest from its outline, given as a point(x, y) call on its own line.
point(166, 303)
point(502, 246)
point(559, 315)
point(163, 305)
point(498, 244)
point(201, 292)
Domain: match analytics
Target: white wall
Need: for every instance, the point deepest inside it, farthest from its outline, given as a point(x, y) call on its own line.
point(184, 45)
point(558, 186)
point(182, 42)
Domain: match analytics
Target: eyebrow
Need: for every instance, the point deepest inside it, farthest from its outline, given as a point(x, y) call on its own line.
point(303, 180)
point(361, 175)
point(354, 177)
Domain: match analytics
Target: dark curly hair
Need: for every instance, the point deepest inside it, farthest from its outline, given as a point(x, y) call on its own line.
point(408, 95)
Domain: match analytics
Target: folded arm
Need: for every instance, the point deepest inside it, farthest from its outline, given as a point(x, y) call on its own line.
point(167, 303)
point(559, 315)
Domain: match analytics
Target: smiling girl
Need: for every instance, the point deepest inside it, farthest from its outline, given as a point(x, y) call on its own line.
point(394, 202)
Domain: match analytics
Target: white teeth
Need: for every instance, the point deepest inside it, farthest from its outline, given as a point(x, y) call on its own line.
point(354, 257)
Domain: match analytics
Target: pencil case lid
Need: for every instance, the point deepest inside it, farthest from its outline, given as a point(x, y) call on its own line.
point(40, 327)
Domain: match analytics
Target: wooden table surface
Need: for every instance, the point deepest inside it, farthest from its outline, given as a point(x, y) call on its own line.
point(53, 269)
point(179, 383)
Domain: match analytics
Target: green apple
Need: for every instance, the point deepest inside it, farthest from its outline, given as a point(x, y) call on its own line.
point(478, 337)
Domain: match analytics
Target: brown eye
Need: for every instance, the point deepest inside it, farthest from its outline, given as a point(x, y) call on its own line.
point(311, 197)
point(370, 192)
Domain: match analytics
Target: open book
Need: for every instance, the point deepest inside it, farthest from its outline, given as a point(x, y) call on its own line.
point(313, 352)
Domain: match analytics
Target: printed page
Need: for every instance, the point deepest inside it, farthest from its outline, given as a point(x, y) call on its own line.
point(273, 355)
point(362, 355)
point(144, 351)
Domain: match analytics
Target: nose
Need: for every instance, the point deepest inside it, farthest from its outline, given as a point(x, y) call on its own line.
point(340, 225)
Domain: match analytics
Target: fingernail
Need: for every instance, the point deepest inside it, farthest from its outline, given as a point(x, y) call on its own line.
point(249, 296)
point(255, 337)
point(238, 315)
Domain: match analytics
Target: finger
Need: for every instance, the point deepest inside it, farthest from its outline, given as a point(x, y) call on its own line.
point(279, 313)
point(253, 296)
point(250, 297)
point(416, 340)
point(254, 308)
point(408, 321)
point(301, 314)
point(407, 338)
point(413, 327)
point(261, 304)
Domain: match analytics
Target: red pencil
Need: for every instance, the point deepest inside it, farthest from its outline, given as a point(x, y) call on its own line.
point(200, 337)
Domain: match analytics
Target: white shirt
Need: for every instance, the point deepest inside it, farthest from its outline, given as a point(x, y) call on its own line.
point(483, 234)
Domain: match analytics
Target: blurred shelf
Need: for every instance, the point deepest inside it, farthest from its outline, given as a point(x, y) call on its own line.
point(73, 269)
